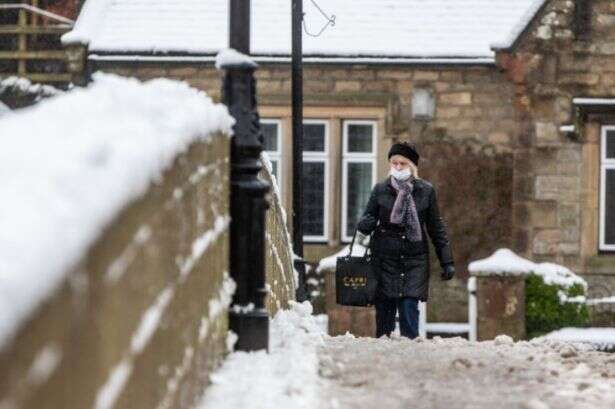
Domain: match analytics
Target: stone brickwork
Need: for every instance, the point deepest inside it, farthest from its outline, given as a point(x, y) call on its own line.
point(278, 252)
point(500, 302)
point(141, 320)
point(556, 178)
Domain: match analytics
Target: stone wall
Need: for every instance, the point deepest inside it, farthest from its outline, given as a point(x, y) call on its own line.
point(141, 320)
point(279, 257)
point(556, 174)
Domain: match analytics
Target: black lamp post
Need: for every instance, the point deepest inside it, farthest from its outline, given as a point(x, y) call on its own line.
point(297, 121)
point(248, 317)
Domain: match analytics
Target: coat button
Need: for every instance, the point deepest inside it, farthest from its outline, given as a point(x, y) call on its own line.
point(402, 274)
point(403, 237)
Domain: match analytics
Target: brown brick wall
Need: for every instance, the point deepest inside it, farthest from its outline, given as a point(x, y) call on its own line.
point(92, 322)
point(278, 253)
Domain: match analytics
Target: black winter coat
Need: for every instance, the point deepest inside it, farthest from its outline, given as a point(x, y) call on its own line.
point(403, 265)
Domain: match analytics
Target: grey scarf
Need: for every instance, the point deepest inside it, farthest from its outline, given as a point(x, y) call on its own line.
point(404, 209)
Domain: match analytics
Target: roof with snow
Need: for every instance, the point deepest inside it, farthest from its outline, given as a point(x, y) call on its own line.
point(460, 29)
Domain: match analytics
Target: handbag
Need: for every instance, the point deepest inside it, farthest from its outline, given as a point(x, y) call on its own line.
point(356, 281)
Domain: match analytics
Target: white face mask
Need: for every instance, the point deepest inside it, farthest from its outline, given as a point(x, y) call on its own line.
point(400, 174)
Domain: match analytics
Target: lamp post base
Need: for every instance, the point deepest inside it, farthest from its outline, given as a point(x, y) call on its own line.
point(253, 327)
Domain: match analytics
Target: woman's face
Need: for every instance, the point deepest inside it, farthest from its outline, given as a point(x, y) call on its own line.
point(399, 162)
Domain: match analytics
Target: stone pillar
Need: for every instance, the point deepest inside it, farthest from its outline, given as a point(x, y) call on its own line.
point(77, 55)
point(359, 321)
point(500, 302)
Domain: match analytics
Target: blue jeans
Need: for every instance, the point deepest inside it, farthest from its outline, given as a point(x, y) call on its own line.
point(408, 316)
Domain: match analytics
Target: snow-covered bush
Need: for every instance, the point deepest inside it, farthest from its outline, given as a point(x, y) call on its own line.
point(553, 306)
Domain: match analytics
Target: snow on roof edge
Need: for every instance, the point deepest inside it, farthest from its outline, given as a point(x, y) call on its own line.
point(306, 59)
point(83, 28)
point(520, 27)
point(593, 101)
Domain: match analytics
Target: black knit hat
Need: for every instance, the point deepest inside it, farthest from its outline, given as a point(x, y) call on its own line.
point(405, 149)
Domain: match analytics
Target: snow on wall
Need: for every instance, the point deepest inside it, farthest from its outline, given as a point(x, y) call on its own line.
point(279, 251)
point(506, 262)
point(402, 28)
point(69, 164)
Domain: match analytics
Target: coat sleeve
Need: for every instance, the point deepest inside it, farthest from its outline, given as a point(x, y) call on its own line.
point(369, 220)
point(436, 227)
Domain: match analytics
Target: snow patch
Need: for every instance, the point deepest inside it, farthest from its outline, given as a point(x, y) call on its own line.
point(233, 58)
point(26, 86)
point(201, 244)
point(225, 296)
point(118, 267)
point(108, 394)
point(286, 377)
point(150, 321)
point(44, 364)
point(600, 337)
point(603, 300)
point(328, 263)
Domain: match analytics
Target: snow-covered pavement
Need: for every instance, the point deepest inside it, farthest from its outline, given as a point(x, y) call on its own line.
point(307, 369)
point(454, 373)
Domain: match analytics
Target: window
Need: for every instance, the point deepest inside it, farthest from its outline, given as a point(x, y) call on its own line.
point(354, 144)
point(358, 172)
point(315, 180)
point(607, 189)
point(272, 131)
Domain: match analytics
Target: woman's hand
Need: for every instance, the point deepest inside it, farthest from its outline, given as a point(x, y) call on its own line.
point(448, 272)
point(362, 239)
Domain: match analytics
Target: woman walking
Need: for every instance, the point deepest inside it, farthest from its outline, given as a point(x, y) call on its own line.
point(398, 211)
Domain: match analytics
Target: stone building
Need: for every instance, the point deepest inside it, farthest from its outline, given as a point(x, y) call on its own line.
point(507, 101)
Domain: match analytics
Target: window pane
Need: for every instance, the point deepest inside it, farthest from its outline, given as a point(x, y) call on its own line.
point(314, 137)
point(609, 207)
point(270, 133)
point(274, 170)
point(359, 187)
point(313, 198)
point(610, 144)
point(360, 138)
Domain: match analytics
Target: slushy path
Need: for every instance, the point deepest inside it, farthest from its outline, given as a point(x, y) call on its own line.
point(454, 373)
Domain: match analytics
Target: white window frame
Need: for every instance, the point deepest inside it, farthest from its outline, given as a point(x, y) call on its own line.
point(355, 157)
point(605, 164)
point(323, 157)
point(276, 155)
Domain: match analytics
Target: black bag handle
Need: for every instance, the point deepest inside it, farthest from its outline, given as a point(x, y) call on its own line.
point(352, 244)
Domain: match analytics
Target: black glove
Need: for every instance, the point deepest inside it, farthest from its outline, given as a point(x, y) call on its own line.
point(448, 271)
